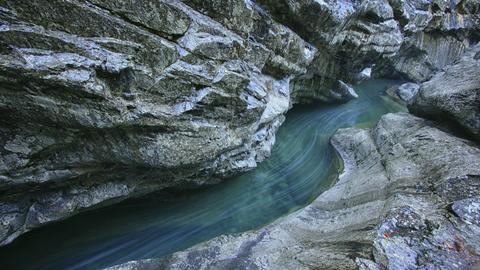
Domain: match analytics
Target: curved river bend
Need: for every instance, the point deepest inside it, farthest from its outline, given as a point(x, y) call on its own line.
point(302, 165)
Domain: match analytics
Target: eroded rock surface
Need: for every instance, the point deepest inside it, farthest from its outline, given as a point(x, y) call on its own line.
point(408, 199)
point(102, 100)
point(412, 39)
point(453, 94)
point(436, 34)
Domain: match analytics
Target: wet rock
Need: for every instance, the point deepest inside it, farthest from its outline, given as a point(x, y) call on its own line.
point(346, 91)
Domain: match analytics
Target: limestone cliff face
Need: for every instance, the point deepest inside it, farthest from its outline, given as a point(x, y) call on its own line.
point(103, 100)
point(412, 39)
point(436, 33)
point(409, 197)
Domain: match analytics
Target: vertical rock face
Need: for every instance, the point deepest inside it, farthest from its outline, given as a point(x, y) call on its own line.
point(349, 35)
point(413, 39)
point(453, 94)
point(101, 100)
point(436, 34)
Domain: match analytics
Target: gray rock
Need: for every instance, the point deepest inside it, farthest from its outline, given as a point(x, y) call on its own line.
point(349, 34)
point(436, 33)
point(346, 91)
point(453, 94)
point(365, 74)
point(99, 97)
point(468, 210)
point(407, 91)
point(390, 201)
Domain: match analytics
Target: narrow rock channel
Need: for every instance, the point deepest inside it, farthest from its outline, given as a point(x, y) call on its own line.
point(303, 164)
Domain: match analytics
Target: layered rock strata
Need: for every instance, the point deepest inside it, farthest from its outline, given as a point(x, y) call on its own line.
point(103, 100)
point(411, 39)
point(408, 199)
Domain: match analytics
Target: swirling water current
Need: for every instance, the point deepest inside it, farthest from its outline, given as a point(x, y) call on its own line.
point(303, 165)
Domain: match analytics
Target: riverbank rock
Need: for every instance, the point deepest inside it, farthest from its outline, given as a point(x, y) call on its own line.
point(408, 199)
point(436, 34)
point(104, 100)
point(404, 92)
point(453, 94)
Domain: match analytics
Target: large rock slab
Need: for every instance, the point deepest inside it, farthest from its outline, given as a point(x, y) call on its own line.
point(453, 94)
point(391, 208)
point(104, 100)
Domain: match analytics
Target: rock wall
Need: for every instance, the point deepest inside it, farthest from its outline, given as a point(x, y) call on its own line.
point(454, 94)
point(409, 199)
point(436, 33)
point(411, 39)
point(102, 100)
point(409, 196)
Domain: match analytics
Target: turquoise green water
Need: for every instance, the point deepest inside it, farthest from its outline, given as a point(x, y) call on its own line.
point(302, 165)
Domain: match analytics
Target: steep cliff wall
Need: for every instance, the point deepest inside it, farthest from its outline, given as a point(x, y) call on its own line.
point(103, 100)
point(412, 39)
point(409, 197)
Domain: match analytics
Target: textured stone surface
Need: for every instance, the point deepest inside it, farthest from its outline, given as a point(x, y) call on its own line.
point(412, 39)
point(436, 33)
point(403, 93)
point(102, 100)
point(389, 209)
point(349, 35)
point(453, 94)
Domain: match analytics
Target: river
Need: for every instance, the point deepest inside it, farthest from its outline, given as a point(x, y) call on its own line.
point(303, 165)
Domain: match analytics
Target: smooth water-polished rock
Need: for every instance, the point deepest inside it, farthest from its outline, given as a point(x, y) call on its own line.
point(392, 201)
point(104, 100)
point(453, 94)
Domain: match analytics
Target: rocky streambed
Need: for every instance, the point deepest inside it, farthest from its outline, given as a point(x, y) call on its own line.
point(302, 166)
point(102, 101)
point(409, 196)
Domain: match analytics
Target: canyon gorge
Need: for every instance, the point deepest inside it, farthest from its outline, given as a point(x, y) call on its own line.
point(240, 134)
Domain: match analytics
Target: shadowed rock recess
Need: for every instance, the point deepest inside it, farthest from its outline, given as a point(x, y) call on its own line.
point(105, 100)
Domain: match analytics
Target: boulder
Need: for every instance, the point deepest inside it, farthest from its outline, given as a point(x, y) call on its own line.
point(453, 95)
